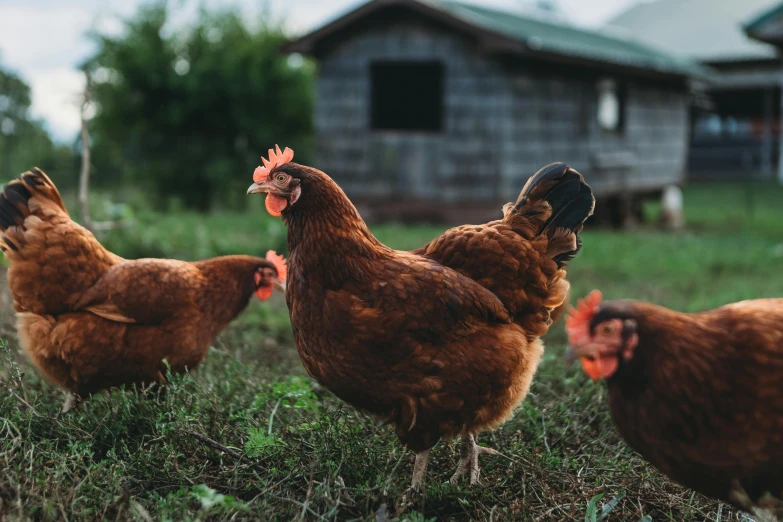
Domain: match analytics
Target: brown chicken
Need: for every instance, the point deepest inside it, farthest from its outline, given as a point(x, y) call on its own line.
point(441, 342)
point(697, 395)
point(90, 320)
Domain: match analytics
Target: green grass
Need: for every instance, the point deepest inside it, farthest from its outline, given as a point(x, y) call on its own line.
point(250, 437)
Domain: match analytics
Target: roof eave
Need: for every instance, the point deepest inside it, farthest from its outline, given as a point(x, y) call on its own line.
point(777, 40)
point(601, 65)
point(306, 44)
point(489, 42)
point(755, 30)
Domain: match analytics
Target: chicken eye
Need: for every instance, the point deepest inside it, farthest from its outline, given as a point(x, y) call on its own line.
point(280, 178)
point(607, 329)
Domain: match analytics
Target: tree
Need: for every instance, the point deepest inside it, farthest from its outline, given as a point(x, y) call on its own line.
point(24, 142)
point(189, 114)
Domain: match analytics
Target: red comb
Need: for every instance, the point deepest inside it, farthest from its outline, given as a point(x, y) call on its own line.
point(280, 264)
point(276, 158)
point(578, 320)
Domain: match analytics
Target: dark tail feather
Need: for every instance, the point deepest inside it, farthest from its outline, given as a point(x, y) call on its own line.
point(571, 200)
point(13, 204)
point(16, 194)
point(565, 190)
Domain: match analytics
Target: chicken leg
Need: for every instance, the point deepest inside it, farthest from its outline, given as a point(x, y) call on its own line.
point(469, 452)
point(72, 402)
point(420, 469)
point(408, 499)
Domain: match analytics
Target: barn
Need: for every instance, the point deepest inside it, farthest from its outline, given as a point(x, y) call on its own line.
point(438, 110)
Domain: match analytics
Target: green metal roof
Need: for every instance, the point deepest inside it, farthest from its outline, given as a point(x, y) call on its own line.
point(767, 26)
point(505, 31)
point(542, 35)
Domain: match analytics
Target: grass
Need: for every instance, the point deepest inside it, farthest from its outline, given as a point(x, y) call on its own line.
point(250, 437)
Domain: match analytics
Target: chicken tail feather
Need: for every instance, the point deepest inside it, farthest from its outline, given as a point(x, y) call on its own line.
point(15, 205)
point(555, 201)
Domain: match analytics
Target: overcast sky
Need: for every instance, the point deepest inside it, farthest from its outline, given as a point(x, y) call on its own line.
point(44, 40)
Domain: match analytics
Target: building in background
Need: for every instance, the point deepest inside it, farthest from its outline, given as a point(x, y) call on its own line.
point(768, 28)
point(441, 110)
point(735, 130)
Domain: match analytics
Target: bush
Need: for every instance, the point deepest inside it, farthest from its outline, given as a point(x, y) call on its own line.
point(187, 115)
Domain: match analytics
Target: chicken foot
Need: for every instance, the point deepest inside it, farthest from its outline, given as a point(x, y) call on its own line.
point(72, 402)
point(469, 453)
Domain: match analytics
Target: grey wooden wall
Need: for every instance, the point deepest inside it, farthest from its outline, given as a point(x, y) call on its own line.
point(462, 162)
point(502, 123)
point(554, 119)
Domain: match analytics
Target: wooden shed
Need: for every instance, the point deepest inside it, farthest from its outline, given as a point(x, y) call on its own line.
point(735, 126)
point(440, 110)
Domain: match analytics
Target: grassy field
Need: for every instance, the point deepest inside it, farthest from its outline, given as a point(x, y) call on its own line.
point(250, 437)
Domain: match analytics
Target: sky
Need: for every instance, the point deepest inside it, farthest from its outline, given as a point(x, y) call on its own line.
point(44, 41)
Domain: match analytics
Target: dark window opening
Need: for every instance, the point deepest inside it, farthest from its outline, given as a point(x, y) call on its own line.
point(407, 96)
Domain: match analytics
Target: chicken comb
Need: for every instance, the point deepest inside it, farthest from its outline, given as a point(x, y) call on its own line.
point(578, 320)
point(280, 264)
point(276, 158)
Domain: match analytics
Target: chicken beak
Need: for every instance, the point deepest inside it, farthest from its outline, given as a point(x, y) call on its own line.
point(257, 188)
point(279, 285)
point(576, 352)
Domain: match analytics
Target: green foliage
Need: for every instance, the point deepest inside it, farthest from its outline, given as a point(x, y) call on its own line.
point(259, 442)
point(211, 499)
point(295, 391)
point(594, 514)
point(192, 235)
point(418, 517)
point(24, 142)
point(188, 114)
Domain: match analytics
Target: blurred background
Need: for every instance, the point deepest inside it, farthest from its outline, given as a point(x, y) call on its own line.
point(636, 95)
point(428, 112)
